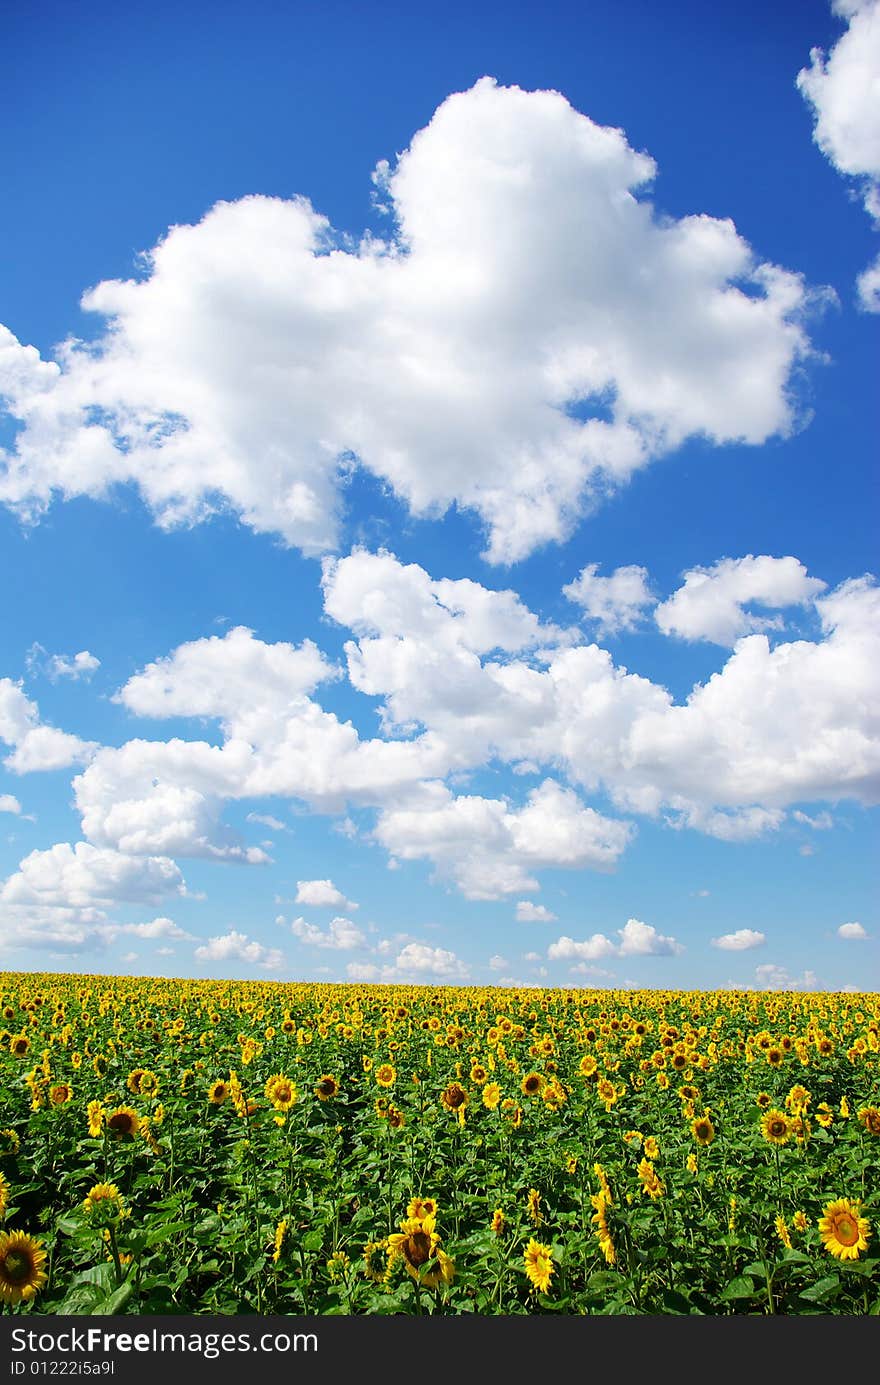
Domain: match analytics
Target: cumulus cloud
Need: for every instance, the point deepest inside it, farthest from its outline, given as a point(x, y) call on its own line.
point(842, 90)
point(711, 604)
point(267, 820)
point(9, 803)
point(340, 936)
point(83, 875)
point(637, 939)
point(527, 912)
point(530, 333)
point(322, 894)
point(35, 746)
point(853, 932)
point(616, 603)
point(237, 947)
point(464, 676)
point(488, 848)
point(741, 941)
point(415, 963)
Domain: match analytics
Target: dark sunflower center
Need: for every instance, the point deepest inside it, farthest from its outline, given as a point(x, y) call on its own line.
point(17, 1266)
point(455, 1096)
point(418, 1248)
point(121, 1124)
point(327, 1088)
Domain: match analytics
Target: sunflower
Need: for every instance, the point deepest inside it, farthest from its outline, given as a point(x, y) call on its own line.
point(651, 1184)
point(4, 1196)
point(19, 1045)
point(218, 1092)
point(60, 1094)
point(149, 1083)
point(692, 1163)
point(9, 1141)
point(454, 1097)
point(95, 1112)
point(798, 1100)
point(418, 1244)
point(21, 1267)
point(395, 1118)
point(491, 1095)
point(376, 1265)
point(281, 1092)
point(499, 1222)
point(763, 1100)
point(123, 1123)
point(800, 1221)
point(133, 1081)
point(869, 1116)
point(104, 1202)
point(327, 1088)
point(386, 1075)
point(539, 1266)
point(783, 1232)
point(279, 1239)
point(775, 1127)
point(588, 1065)
point(420, 1207)
point(479, 1075)
point(534, 1207)
point(532, 1084)
point(703, 1130)
point(824, 1115)
point(601, 1202)
point(651, 1148)
point(775, 1056)
point(844, 1233)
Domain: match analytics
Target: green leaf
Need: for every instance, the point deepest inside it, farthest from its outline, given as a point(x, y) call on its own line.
point(823, 1291)
point(741, 1287)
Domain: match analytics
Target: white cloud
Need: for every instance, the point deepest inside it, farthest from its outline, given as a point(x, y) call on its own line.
point(488, 848)
point(340, 936)
point(587, 950)
point(851, 931)
point(55, 666)
point(842, 89)
point(9, 803)
point(156, 928)
point(527, 912)
point(83, 875)
point(237, 947)
point(711, 604)
point(322, 894)
point(35, 746)
point(530, 334)
point(741, 941)
point(267, 820)
point(639, 939)
point(617, 602)
point(414, 963)
point(498, 963)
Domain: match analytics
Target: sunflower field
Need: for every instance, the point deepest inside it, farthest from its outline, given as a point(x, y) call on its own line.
point(260, 1148)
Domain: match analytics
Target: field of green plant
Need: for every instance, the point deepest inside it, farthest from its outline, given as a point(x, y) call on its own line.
point(243, 1147)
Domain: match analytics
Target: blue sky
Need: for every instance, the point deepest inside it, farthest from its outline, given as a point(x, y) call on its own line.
point(436, 497)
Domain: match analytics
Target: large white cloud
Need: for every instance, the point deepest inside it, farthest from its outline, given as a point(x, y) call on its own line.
point(321, 894)
point(637, 939)
point(341, 935)
point(742, 940)
point(711, 604)
point(238, 947)
point(82, 875)
point(844, 91)
point(529, 334)
point(489, 848)
point(466, 676)
point(35, 746)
